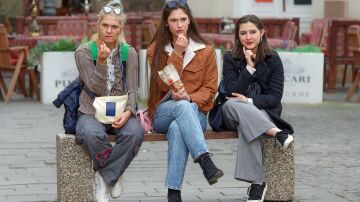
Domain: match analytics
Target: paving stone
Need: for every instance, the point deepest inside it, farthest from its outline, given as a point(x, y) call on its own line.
point(18, 197)
point(327, 164)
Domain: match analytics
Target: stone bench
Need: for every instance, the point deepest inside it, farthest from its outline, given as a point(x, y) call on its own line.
point(75, 174)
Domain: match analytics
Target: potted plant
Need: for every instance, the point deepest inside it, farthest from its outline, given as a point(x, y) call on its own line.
point(35, 53)
point(56, 63)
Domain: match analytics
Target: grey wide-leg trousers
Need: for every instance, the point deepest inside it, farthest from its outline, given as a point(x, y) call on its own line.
point(250, 123)
point(110, 161)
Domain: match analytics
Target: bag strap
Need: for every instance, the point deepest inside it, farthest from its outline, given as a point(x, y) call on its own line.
point(93, 50)
point(124, 51)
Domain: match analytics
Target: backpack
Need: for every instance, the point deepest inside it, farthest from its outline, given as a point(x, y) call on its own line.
point(69, 97)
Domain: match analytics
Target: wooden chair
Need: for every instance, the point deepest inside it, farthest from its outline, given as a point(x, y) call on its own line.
point(18, 67)
point(289, 31)
point(353, 35)
point(287, 38)
point(316, 36)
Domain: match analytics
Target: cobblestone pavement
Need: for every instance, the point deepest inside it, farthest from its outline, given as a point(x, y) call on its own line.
point(327, 157)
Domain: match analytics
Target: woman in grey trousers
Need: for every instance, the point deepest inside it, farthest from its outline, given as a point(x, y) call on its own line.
point(254, 78)
point(107, 74)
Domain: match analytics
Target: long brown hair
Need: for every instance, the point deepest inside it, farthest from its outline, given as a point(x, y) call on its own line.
point(263, 47)
point(163, 37)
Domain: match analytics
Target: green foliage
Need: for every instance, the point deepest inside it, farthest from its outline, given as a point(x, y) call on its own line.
point(35, 53)
point(302, 49)
point(307, 48)
point(85, 39)
point(222, 49)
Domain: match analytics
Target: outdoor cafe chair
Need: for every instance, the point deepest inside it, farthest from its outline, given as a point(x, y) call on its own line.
point(353, 35)
point(14, 68)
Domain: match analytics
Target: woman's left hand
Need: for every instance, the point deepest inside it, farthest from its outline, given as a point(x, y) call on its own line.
point(121, 120)
point(239, 97)
point(180, 95)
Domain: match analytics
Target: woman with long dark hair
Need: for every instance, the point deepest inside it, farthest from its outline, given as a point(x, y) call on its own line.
point(182, 116)
point(254, 79)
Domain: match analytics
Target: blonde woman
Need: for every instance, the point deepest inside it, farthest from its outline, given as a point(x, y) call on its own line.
point(109, 75)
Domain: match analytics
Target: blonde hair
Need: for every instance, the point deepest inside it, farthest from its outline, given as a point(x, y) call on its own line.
point(122, 19)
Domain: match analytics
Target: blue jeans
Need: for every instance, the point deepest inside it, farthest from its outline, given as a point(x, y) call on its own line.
point(184, 126)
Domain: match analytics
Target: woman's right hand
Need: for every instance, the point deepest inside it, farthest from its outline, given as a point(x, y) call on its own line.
point(250, 57)
point(121, 120)
point(103, 53)
point(237, 96)
point(180, 45)
point(180, 95)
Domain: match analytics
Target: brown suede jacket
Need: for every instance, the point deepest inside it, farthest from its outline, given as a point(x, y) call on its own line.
point(197, 70)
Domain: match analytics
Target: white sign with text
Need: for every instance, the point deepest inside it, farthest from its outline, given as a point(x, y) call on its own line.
point(58, 69)
point(303, 77)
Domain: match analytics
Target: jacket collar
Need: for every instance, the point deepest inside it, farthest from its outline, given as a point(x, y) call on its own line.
point(190, 50)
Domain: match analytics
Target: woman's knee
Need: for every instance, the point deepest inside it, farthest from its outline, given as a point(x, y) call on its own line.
point(231, 105)
point(184, 105)
point(173, 132)
point(137, 132)
point(87, 131)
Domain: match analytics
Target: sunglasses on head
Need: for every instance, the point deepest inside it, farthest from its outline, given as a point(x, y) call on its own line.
point(108, 9)
point(173, 4)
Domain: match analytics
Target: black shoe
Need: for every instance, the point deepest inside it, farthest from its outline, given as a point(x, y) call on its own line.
point(285, 139)
point(174, 195)
point(211, 172)
point(257, 192)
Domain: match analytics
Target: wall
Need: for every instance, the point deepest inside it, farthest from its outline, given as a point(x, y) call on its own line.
point(212, 8)
point(318, 9)
point(353, 8)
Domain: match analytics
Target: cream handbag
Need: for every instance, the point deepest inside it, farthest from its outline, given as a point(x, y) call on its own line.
point(107, 108)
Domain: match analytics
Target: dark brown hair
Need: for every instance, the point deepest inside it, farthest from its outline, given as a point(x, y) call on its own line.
point(263, 47)
point(163, 37)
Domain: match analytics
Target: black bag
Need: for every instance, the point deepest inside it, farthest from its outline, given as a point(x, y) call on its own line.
point(215, 114)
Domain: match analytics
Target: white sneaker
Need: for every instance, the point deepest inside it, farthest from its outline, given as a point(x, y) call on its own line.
point(117, 189)
point(101, 190)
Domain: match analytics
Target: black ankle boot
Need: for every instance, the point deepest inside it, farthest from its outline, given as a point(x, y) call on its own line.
point(174, 195)
point(211, 172)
